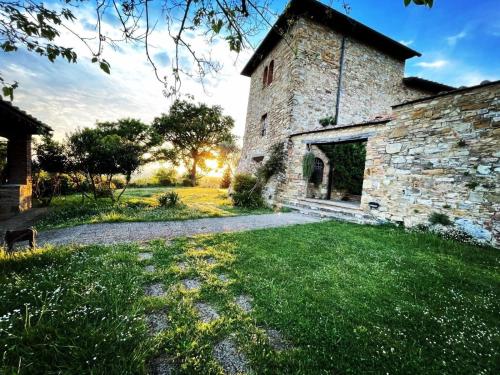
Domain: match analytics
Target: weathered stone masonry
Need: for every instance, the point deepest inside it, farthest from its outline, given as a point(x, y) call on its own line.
point(305, 85)
point(439, 152)
point(440, 155)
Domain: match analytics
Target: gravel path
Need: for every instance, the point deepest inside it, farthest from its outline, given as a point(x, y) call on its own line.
point(109, 233)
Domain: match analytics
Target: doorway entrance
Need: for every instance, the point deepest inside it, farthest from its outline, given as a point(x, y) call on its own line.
point(338, 172)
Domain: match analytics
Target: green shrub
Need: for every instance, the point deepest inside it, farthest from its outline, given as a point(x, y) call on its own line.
point(118, 182)
point(137, 204)
point(166, 176)
point(308, 165)
point(225, 182)
point(247, 192)
point(274, 165)
point(169, 200)
point(439, 218)
point(348, 160)
point(103, 192)
point(330, 120)
point(186, 180)
point(472, 184)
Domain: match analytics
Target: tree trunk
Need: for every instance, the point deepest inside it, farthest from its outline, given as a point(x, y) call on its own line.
point(92, 184)
point(192, 173)
point(76, 181)
point(127, 180)
point(111, 194)
point(55, 184)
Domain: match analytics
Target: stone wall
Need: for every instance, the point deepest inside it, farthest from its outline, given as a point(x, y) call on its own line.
point(19, 160)
point(295, 187)
point(304, 89)
point(319, 190)
point(440, 155)
point(273, 100)
point(16, 195)
point(14, 199)
point(372, 81)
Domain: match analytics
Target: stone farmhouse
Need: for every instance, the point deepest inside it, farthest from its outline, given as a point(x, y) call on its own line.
point(320, 79)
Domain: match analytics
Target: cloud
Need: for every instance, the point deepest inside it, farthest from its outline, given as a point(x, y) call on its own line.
point(437, 64)
point(406, 42)
point(453, 39)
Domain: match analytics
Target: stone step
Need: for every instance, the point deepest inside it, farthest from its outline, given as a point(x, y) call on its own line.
point(331, 211)
point(327, 209)
point(338, 216)
point(335, 204)
point(320, 206)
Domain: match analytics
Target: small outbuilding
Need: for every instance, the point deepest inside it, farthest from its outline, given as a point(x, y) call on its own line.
point(17, 127)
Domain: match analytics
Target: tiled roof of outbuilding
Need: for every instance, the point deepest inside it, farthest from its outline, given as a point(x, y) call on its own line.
point(9, 113)
point(425, 84)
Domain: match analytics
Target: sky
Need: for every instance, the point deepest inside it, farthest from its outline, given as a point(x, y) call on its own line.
point(459, 41)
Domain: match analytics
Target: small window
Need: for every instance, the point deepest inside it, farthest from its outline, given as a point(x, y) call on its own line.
point(317, 175)
point(270, 73)
point(263, 125)
point(258, 159)
point(264, 77)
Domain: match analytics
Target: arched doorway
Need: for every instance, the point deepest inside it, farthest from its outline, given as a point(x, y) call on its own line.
point(317, 175)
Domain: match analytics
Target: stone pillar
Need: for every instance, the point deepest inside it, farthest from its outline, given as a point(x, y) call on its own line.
point(15, 196)
point(19, 160)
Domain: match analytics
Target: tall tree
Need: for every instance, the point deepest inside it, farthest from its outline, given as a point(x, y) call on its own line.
point(51, 157)
point(192, 133)
point(109, 149)
point(228, 156)
point(40, 27)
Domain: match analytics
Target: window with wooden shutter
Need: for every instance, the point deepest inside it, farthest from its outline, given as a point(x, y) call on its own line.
point(263, 125)
point(270, 73)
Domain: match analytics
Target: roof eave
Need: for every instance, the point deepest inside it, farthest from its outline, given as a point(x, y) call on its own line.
point(36, 127)
point(324, 15)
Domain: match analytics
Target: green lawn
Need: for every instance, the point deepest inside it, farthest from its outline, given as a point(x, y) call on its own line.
point(349, 299)
point(141, 204)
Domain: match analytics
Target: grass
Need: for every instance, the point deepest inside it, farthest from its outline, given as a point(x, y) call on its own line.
point(72, 311)
point(141, 204)
point(350, 299)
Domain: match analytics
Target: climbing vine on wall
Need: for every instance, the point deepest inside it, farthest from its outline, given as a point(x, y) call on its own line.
point(275, 165)
point(308, 165)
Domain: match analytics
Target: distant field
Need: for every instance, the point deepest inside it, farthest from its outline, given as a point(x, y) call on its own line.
point(141, 204)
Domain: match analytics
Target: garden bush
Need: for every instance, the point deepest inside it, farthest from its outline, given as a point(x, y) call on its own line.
point(118, 182)
point(166, 176)
point(348, 160)
point(247, 192)
point(225, 182)
point(439, 218)
point(169, 200)
point(274, 165)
